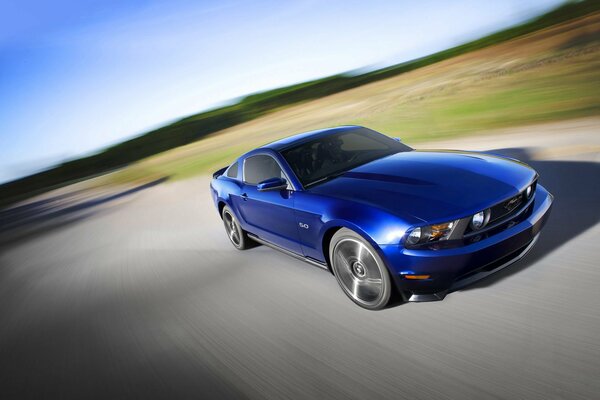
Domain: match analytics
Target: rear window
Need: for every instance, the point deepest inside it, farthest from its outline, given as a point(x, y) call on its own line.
point(232, 171)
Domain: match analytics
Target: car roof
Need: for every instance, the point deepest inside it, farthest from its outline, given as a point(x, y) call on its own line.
point(293, 140)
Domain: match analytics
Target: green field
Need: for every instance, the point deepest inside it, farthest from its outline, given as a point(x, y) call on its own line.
point(536, 79)
point(563, 89)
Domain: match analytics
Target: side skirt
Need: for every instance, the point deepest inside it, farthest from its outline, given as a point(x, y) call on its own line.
point(311, 261)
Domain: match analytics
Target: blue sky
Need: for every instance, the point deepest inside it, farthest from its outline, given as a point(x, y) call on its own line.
point(77, 76)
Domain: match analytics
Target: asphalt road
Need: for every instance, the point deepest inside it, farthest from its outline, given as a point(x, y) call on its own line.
point(139, 294)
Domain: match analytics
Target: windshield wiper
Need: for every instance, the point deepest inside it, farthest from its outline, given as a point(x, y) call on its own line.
point(326, 178)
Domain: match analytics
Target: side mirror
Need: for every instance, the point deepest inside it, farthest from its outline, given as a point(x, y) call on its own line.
point(272, 184)
point(397, 139)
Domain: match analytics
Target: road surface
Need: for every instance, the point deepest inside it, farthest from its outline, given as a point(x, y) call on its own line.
point(139, 294)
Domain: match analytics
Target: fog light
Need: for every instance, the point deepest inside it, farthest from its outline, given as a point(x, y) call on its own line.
point(478, 220)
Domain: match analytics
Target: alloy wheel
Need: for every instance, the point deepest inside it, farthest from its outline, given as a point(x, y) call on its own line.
point(232, 228)
point(358, 272)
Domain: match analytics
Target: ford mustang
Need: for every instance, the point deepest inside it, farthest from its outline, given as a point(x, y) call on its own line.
point(384, 218)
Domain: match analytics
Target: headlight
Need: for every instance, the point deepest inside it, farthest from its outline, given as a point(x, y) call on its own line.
point(441, 231)
point(431, 233)
point(414, 236)
point(480, 219)
point(528, 191)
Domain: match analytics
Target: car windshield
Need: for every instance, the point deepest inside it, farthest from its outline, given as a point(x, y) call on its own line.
point(324, 158)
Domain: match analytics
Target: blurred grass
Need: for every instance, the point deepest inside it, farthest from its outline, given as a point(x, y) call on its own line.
point(542, 70)
point(566, 89)
point(529, 81)
point(173, 168)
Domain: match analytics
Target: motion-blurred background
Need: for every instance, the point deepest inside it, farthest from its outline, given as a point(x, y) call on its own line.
point(116, 278)
point(80, 76)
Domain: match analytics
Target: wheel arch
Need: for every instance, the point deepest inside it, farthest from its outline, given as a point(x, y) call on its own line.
point(221, 205)
point(331, 227)
point(325, 241)
point(390, 290)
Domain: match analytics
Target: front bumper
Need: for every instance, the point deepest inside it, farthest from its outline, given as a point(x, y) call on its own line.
point(453, 268)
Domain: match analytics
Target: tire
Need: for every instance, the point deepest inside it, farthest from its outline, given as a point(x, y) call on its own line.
point(359, 270)
point(237, 236)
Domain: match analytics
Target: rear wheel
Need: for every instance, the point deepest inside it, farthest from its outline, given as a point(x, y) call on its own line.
point(359, 270)
point(234, 231)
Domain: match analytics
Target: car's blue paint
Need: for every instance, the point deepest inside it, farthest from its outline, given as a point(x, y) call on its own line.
point(385, 198)
point(323, 213)
point(270, 215)
point(431, 186)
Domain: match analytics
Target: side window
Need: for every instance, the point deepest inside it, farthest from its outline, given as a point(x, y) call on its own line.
point(232, 171)
point(261, 167)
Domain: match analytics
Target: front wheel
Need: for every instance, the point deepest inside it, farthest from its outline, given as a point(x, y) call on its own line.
point(234, 231)
point(359, 270)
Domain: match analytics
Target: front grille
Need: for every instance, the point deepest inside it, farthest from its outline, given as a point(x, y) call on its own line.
point(507, 208)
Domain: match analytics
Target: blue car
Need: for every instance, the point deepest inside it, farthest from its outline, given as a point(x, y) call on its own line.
point(385, 219)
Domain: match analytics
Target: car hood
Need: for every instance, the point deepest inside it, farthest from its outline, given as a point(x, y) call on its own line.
point(433, 186)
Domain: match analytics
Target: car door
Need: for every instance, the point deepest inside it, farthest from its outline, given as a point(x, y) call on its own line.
point(268, 214)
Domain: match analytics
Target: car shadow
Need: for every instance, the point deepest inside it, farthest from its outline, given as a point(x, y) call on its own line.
point(42, 216)
point(576, 191)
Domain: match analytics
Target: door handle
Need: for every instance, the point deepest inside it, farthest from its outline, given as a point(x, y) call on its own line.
point(244, 196)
